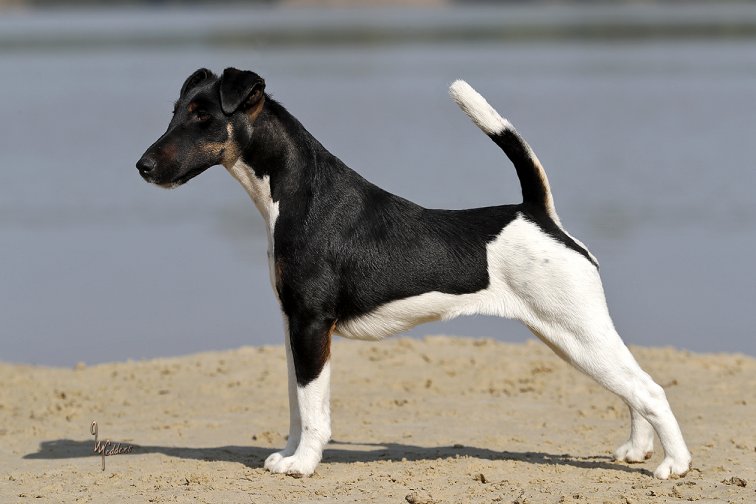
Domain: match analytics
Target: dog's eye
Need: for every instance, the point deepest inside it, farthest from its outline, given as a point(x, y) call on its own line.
point(201, 115)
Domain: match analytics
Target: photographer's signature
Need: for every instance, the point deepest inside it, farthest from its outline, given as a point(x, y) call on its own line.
point(107, 448)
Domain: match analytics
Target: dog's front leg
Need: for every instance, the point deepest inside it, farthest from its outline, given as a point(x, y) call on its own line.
point(310, 381)
point(295, 421)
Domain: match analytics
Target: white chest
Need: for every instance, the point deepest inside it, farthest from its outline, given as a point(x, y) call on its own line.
point(258, 189)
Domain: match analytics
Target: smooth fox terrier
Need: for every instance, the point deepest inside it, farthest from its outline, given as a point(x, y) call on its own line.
point(348, 258)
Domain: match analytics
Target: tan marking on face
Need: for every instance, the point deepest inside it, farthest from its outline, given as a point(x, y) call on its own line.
point(169, 151)
point(212, 148)
point(213, 151)
point(231, 151)
point(227, 151)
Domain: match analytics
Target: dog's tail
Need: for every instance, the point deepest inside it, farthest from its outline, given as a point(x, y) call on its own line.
point(535, 184)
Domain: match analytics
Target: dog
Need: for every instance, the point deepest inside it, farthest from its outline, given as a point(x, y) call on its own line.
point(348, 258)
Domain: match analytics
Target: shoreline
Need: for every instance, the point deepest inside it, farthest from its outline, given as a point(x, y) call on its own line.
point(305, 27)
point(266, 348)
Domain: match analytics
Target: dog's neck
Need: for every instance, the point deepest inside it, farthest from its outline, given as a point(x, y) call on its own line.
point(278, 161)
point(283, 162)
point(281, 148)
point(258, 189)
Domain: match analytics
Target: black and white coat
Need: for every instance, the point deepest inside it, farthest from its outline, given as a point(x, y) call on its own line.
point(348, 258)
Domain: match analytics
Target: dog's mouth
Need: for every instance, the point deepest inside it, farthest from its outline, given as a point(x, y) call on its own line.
point(171, 184)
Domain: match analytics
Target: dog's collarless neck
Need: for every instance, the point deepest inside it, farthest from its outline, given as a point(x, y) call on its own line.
point(257, 187)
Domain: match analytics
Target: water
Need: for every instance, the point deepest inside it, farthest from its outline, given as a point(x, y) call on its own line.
point(648, 145)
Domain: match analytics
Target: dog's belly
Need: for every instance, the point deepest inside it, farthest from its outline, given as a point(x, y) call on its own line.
point(404, 314)
point(531, 277)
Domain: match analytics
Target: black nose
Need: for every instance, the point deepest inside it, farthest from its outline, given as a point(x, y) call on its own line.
point(146, 165)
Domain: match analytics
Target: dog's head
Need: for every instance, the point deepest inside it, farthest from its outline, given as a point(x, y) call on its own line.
point(212, 121)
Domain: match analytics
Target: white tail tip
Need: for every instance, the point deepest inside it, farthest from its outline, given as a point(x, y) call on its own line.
point(477, 108)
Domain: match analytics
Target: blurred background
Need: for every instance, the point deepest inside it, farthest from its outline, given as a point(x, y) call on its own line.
point(643, 114)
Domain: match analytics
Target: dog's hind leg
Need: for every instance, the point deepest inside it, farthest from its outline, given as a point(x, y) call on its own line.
point(640, 446)
point(309, 345)
point(595, 348)
point(557, 293)
point(295, 422)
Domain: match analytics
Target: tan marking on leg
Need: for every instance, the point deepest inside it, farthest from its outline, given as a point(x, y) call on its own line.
point(326, 350)
point(278, 274)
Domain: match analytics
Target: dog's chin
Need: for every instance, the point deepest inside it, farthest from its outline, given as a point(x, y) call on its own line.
point(169, 185)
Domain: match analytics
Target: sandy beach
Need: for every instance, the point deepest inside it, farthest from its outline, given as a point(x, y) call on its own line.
point(422, 421)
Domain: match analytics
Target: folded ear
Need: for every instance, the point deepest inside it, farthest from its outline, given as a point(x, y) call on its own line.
point(195, 79)
point(240, 89)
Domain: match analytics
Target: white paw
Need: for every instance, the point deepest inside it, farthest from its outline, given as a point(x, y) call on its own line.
point(294, 465)
point(274, 458)
point(671, 468)
point(631, 452)
point(289, 450)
